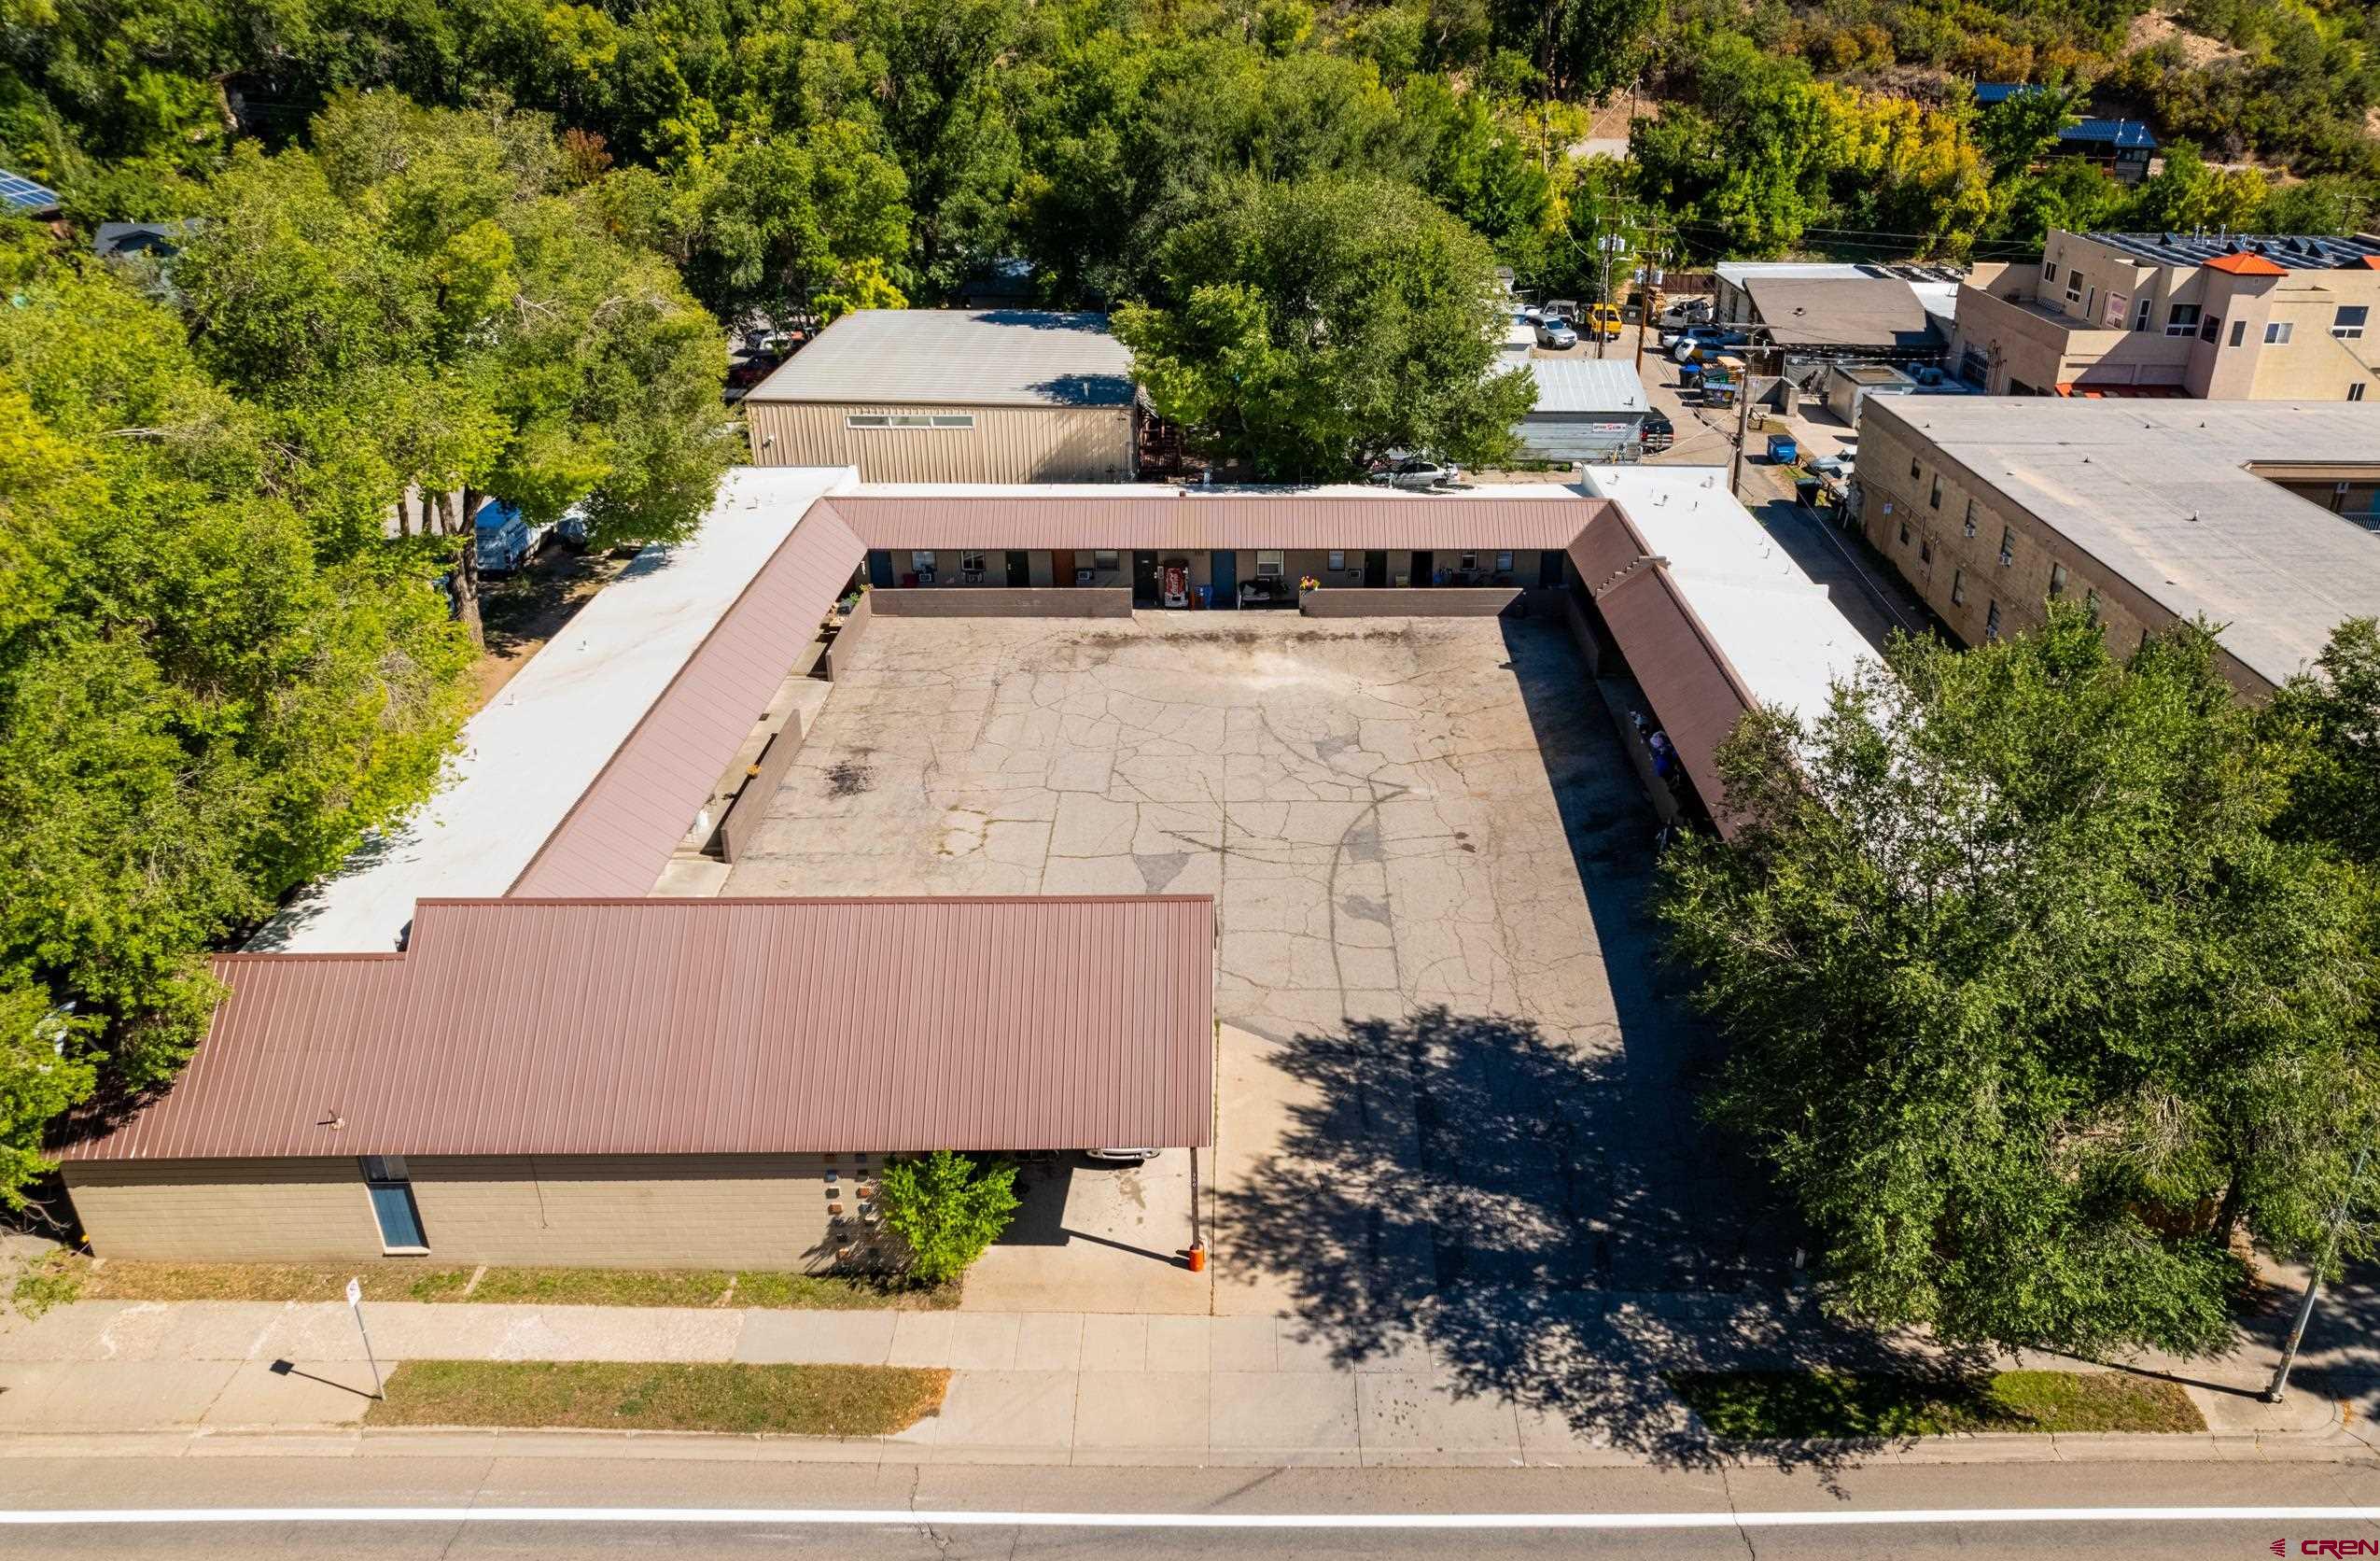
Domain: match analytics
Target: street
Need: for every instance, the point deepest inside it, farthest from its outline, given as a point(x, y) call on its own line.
point(730, 1499)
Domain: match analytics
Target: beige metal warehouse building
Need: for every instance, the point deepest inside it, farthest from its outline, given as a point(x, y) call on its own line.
point(953, 396)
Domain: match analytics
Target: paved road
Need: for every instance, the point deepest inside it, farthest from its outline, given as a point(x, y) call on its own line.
point(1669, 1514)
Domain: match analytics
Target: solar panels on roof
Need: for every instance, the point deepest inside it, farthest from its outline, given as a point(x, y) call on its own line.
point(2297, 251)
point(20, 193)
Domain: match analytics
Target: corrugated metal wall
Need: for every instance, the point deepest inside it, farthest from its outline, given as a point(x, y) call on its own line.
point(1007, 444)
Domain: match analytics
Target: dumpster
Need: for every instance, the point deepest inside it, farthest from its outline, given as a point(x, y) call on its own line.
point(1781, 449)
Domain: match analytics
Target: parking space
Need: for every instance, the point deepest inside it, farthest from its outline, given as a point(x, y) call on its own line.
point(1445, 1065)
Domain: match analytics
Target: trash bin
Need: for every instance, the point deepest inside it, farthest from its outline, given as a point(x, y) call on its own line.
point(1806, 490)
point(1198, 597)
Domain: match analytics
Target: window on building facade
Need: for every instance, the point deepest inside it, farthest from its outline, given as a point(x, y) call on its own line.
point(2211, 329)
point(2048, 271)
point(1958, 586)
point(1991, 621)
point(1970, 517)
point(1106, 560)
point(1912, 468)
point(392, 1203)
point(2140, 316)
point(1503, 563)
point(2277, 334)
point(922, 562)
point(2239, 332)
point(2355, 392)
point(2074, 288)
point(2183, 320)
point(1269, 565)
point(2347, 324)
point(1934, 498)
point(971, 563)
point(1467, 562)
point(1338, 558)
point(1924, 550)
point(2091, 602)
point(2057, 581)
point(1904, 533)
point(2008, 545)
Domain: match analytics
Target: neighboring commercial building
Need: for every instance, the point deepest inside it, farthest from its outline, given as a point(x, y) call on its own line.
point(952, 396)
point(1844, 387)
point(1677, 585)
point(1588, 409)
point(2260, 517)
point(1935, 286)
point(2121, 148)
point(2231, 317)
point(1874, 318)
point(651, 1083)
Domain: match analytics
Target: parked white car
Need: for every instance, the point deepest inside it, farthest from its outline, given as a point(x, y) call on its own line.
point(1415, 474)
point(506, 541)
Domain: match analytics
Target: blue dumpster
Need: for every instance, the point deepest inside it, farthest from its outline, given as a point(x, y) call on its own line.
point(1781, 449)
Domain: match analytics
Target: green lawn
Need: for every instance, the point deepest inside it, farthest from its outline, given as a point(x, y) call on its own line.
point(70, 1277)
point(1744, 1405)
point(794, 1401)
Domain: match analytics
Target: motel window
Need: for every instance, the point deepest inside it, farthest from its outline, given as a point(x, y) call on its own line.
point(1970, 517)
point(1339, 558)
point(922, 562)
point(971, 563)
point(1503, 563)
point(1467, 562)
point(2057, 581)
point(1991, 621)
point(1958, 586)
point(2239, 332)
point(2211, 329)
point(1105, 560)
point(2277, 334)
point(2074, 288)
point(1933, 499)
point(2048, 271)
point(2008, 545)
point(2347, 324)
point(2183, 321)
point(2355, 392)
point(910, 420)
point(392, 1203)
point(1270, 565)
point(2140, 316)
point(1912, 468)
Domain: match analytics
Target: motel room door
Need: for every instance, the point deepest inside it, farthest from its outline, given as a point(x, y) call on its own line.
point(1224, 591)
point(1424, 563)
point(1020, 569)
point(1374, 568)
point(1145, 580)
point(1061, 567)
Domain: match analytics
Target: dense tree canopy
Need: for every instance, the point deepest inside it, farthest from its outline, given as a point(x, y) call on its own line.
point(2033, 999)
point(1311, 328)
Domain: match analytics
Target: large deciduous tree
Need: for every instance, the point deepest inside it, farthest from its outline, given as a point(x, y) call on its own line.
point(2030, 1008)
point(1310, 328)
point(200, 704)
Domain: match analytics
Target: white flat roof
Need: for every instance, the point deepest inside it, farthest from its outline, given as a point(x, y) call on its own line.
point(1774, 623)
point(529, 755)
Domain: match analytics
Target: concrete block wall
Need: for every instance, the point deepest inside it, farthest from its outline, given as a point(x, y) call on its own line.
point(1088, 601)
point(641, 1211)
point(1443, 602)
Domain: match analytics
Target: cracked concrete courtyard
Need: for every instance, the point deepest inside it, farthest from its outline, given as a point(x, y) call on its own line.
point(1444, 1062)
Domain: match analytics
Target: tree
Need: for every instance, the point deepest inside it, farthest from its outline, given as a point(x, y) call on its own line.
point(2337, 708)
point(1310, 328)
point(2024, 126)
point(202, 704)
point(947, 1207)
point(2030, 1009)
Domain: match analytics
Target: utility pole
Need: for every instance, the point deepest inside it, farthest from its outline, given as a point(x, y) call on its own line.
point(1648, 310)
point(2280, 1382)
point(1742, 429)
point(1603, 242)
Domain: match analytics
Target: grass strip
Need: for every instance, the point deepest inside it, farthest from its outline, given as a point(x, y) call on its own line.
point(792, 1400)
point(1793, 1405)
point(72, 1277)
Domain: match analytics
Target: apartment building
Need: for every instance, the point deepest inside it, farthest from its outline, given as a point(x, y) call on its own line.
point(2218, 317)
point(2263, 518)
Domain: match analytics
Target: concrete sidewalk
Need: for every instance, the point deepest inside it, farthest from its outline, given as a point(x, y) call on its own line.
point(1043, 1387)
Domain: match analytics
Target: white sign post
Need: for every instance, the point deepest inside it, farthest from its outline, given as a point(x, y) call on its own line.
point(356, 1304)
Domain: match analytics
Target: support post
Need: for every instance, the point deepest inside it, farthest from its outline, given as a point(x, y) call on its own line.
point(2279, 1386)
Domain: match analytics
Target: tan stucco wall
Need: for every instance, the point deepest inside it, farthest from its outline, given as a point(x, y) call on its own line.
point(1007, 444)
point(661, 1211)
point(1929, 548)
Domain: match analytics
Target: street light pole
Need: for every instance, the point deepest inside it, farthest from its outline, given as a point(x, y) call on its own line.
point(2280, 1382)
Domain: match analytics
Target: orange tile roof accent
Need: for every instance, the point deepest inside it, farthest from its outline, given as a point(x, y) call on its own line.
point(2246, 265)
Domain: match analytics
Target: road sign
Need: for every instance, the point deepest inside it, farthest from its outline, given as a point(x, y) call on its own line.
point(356, 1304)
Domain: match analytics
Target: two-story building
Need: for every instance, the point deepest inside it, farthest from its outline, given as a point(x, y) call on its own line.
point(2219, 317)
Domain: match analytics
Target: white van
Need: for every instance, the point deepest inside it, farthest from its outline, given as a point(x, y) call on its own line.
point(505, 539)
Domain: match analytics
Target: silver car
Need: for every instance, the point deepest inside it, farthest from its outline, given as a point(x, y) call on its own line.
point(1555, 333)
point(1416, 474)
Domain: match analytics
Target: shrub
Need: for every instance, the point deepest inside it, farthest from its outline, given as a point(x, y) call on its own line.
point(948, 1207)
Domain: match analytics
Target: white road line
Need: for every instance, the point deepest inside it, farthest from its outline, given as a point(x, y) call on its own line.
point(896, 1517)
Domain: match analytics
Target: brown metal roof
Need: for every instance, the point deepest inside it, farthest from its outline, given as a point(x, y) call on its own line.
point(1193, 522)
point(1842, 311)
point(726, 1026)
point(618, 837)
point(1697, 696)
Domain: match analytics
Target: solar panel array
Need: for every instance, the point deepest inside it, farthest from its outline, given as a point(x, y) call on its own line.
point(21, 193)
